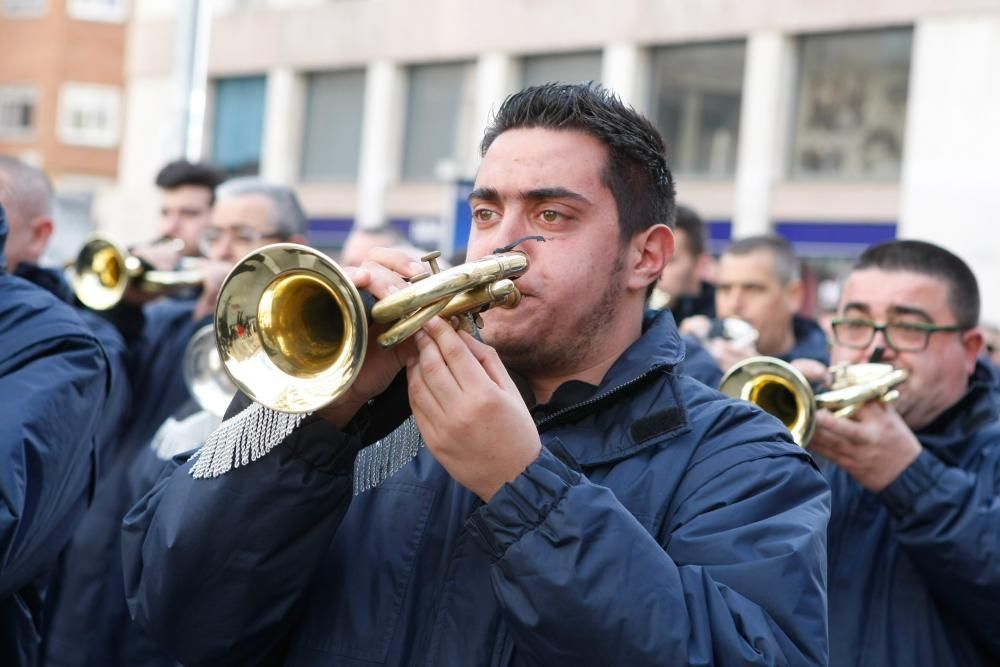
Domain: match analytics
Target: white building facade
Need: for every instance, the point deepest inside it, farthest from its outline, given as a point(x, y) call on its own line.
point(835, 123)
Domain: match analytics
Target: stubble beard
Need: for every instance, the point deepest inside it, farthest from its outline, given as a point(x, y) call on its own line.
point(563, 347)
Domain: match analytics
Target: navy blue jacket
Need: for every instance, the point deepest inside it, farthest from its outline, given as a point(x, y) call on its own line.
point(116, 408)
point(810, 341)
point(54, 380)
point(91, 624)
point(662, 524)
point(915, 570)
point(699, 363)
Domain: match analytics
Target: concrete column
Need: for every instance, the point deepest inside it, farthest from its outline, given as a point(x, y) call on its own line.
point(283, 117)
point(496, 78)
point(381, 139)
point(625, 69)
point(690, 131)
point(764, 128)
point(949, 178)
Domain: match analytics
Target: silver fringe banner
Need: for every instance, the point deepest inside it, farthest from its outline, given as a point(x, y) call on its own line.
point(254, 432)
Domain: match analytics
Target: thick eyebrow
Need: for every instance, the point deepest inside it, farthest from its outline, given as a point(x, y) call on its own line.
point(538, 194)
point(542, 194)
point(485, 194)
point(854, 305)
point(893, 310)
point(910, 310)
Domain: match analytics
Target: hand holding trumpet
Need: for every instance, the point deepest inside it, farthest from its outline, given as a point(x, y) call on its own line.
point(873, 447)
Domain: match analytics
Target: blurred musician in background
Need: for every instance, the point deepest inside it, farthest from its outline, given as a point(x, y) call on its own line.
point(682, 287)
point(915, 526)
point(94, 627)
point(187, 194)
point(55, 380)
point(759, 282)
point(27, 195)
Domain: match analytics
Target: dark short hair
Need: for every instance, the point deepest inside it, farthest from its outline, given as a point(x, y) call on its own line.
point(934, 261)
point(636, 170)
point(689, 222)
point(181, 172)
point(785, 263)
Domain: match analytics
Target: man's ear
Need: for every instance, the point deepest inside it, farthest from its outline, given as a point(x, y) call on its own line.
point(794, 292)
point(296, 238)
point(650, 250)
point(41, 232)
point(972, 342)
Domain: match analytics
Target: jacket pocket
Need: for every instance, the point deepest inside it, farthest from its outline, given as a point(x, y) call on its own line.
point(355, 604)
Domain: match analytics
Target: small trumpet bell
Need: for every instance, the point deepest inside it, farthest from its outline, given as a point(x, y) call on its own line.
point(103, 270)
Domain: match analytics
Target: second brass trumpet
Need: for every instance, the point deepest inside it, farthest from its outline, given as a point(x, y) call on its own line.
point(779, 389)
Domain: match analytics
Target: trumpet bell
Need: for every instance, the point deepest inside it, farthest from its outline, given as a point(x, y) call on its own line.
point(777, 388)
point(204, 375)
point(100, 274)
point(291, 328)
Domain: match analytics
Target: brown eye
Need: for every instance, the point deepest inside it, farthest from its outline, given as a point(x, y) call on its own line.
point(484, 215)
point(550, 216)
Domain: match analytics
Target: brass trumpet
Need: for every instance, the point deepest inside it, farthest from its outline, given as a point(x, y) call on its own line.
point(779, 389)
point(292, 329)
point(103, 270)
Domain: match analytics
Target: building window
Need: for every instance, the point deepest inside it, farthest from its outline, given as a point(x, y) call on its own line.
point(695, 97)
point(24, 8)
point(851, 106)
point(563, 68)
point(88, 115)
point(331, 139)
point(238, 124)
point(112, 11)
point(438, 115)
point(17, 111)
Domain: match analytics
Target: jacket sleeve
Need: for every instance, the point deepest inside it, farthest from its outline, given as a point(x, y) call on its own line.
point(235, 552)
point(51, 396)
point(737, 577)
point(948, 521)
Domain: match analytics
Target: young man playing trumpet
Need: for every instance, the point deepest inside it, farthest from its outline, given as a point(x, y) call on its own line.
point(915, 524)
point(577, 502)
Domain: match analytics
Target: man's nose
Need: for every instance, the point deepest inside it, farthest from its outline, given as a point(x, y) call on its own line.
point(222, 249)
point(879, 349)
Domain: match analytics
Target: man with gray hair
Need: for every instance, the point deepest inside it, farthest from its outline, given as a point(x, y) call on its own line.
point(249, 213)
point(759, 281)
point(27, 195)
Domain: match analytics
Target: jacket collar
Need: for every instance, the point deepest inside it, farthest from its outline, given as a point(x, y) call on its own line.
point(657, 350)
point(951, 437)
point(48, 279)
point(810, 341)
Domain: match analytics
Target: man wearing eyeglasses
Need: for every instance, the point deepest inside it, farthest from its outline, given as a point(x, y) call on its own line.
point(914, 536)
